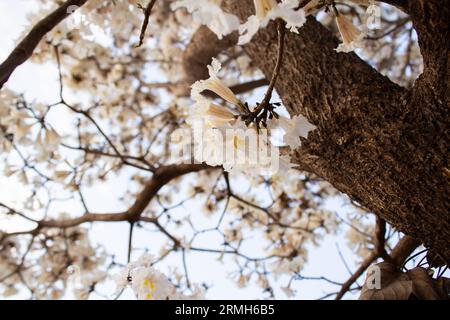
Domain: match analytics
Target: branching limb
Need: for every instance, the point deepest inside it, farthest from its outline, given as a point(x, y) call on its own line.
point(147, 12)
point(161, 177)
point(398, 255)
point(25, 48)
point(379, 251)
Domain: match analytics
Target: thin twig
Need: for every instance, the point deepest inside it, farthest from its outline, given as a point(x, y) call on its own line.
point(379, 251)
point(147, 12)
point(265, 103)
point(130, 242)
point(188, 283)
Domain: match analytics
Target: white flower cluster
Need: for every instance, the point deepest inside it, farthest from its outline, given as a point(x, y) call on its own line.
point(7, 98)
point(150, 284)
point(46, 269)
point(352, 36)
point(209, 13)
point(267, 10)
point(96, 19)
point(221, 137)
point(20, 126)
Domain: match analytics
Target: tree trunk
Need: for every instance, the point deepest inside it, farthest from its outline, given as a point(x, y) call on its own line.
point(386, 147)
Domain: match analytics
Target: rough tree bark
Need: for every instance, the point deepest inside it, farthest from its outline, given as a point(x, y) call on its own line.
point(383, 145)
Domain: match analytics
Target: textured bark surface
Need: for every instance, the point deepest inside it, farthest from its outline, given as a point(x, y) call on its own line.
point(384, 146)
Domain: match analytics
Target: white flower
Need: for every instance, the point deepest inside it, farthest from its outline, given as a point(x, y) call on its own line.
point(150, 284)
point(267, 10)
point(294, 128)
point(22, 131)
point(51, 140)
point(121, 280)
point(47, 142)
point(242, 281)
point(213, 83)
point(213, 115)
point(351, 36)
point(61, 175)
point(286, 266)
point(222, 138)
point(209, 120)
point(246, 149)
point(209, 13)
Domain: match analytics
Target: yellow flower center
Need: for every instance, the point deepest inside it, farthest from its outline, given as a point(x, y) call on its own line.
point(148, 283)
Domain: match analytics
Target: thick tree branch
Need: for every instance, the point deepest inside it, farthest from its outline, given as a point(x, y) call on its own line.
point(25, 48)
point(384, 146)
point(161, 177)
point(379, 251)
point(403, 249)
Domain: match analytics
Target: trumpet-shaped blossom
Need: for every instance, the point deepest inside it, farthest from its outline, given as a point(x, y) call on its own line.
point(294, 128)
point(209, 13)
point(222, 138)
point(149, 283)
point(213, 83)
point(351, 36)
point(267, 10)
